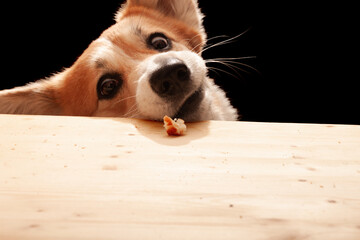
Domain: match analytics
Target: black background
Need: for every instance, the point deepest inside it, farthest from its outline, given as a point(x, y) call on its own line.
point(305, 54)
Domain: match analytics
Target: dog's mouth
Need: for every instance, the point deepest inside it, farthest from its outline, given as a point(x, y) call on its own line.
point(191, 105)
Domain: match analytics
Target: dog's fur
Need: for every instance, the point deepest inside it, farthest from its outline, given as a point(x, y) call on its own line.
point(123, 52)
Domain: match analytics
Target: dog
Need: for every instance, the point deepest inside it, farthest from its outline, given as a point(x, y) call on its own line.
point(147, 65)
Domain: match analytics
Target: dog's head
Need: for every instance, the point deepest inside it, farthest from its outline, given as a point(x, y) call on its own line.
point(147, 65)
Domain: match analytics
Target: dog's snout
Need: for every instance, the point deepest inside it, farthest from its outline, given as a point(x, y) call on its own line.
point(171, 78)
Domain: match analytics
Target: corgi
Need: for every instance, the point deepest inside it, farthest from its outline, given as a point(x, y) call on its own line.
point(147, 65)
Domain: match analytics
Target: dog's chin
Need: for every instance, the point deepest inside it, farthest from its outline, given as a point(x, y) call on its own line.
point(190, 108)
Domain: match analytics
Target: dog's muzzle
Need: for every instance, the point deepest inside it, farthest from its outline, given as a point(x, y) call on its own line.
point(174, 86)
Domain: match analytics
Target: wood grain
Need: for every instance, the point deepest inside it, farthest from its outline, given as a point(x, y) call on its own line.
point(100, 178)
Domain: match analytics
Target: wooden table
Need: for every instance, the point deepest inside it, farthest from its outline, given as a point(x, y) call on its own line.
point(101, 178)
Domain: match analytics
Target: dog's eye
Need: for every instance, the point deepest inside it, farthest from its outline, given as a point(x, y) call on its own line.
point(109, 85)
point(159, 42)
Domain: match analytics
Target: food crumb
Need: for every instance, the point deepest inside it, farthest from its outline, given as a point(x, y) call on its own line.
point(174, 127)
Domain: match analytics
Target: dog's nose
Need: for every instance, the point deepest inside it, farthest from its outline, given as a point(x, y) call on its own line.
point(171, 78)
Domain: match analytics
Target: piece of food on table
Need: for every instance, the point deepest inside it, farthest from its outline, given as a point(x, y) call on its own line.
point(174, 127)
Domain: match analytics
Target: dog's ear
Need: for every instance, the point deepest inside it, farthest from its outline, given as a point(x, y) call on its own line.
point(186, 11)
point(33, 99)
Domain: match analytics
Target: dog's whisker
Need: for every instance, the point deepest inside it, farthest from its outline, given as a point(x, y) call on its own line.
point(233, 58)
point(214, 69)
point(134, 106)
point(219, 36)
point(248, 66)
point(134, 114)
point(224, 42)
point(133, 111)
point(210, 39)
point(244, 65)
point(124, 99)
point(231, 64)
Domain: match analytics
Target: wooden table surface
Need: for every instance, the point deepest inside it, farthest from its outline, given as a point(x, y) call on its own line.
point(101, 178)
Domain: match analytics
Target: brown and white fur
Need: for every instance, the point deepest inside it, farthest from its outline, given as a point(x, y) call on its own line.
point(147, 65)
